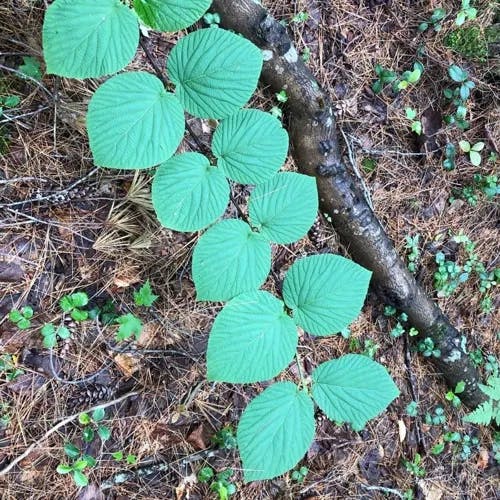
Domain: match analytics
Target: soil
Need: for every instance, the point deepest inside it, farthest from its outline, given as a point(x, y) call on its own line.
point(66, 226)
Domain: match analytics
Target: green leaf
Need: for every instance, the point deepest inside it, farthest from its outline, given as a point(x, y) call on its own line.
point(80, 479)
point(464, 146)
point(15, 316)
point(250, 145)
point(104, 432)
point(482, 415)
point(145, 296)
point(133, 122)
point(64, 469)
point(23, 324)
point(215, 72)
point(88, 434)
point(130, 325)
point(63, 332)
point(352, 388)
point(79, 315)
point(11, 101)
point(91, 461)
point(475, 158)
point(71, 450)
point(117, 455)
point(230, 259)
point(479, 146)
point(410, 113)
point(457, 74)
point(98, 414)
point(83, 39)
point(252, 340)
point(31, 68)
point(131, 459)
point(188, 193)
point(275, 431)
point(27, 311)
point(66, 304)
point(460, 19)
point(325, 292)
point(170, 15)
point(460, 387)
point(84, 418)
point(284, 208)
point(79, 299)
point(80, 465)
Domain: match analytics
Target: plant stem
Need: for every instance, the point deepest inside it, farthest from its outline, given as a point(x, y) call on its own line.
point(299, 368)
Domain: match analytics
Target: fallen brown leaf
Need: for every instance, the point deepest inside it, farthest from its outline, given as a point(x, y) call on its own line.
point(198, 438)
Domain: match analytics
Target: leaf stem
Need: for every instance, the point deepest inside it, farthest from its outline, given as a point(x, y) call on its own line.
point(299, 368)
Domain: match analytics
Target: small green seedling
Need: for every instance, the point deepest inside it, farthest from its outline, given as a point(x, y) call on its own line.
point(459, 75)
point(276, 112)
point(9, 101)
point(414, 466)
point(212, 19)
point(129, 459)
point(412, 244)
point(300, 474)
point(427, 349)
point(477, 357)
point(370, 348)
point(21, 318)
point(281, 96)
point(91, 423)
point(219, 483)
point(31, 68)
point(73, 304)
point(465, 13)
point(79, 464)
point(8, 367)
point(306, 54)
point(488, 411)
point(145, 296)
point(50, 334)
point(130, 326)
point(369, 164)
point(450, 152)
point(438, 448)
point(412, 409)
point(411, 77)
point(474, 151)
point(452, 396)
point(438, 418)
point(300, 17)
point(225, 438)
point(416, 125)
point(434, 21)
point(385, 77)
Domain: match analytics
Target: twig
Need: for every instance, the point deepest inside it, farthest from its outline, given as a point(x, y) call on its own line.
point(61, 192)
point(383, 489)
point(22, 179)
point(62, 423)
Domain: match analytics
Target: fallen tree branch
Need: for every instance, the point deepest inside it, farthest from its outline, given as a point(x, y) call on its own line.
point(316, 153)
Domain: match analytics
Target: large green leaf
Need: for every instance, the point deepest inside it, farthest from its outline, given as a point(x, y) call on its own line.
point(84, 39)
point(230, 259)
point(170, 15)
point(252, 340)
point(284, 208)
point(275, 431)
point(188, 193)
point(215, 72)
point(133, 122)
point(325, 292)
point(353, 388)
point(250, 146)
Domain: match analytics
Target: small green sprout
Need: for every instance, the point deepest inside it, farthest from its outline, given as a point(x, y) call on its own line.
point(385, 77)
point(212, 19)
point(21, 318)
point(281, 96)
point(145, 296)
point(412, 243)
point(300, 17)
point(80, 463)
point(31, 68)
point(306, 54)
point(437, 15)
point(465, 13)
point(73, 304)
point(225, 438)
point(91, 423)
point(276, 112)
point(450, 152)
point(300, 474)
point(411, 77)
point(219, 483)
point(474, 151)
point(130, 326)
point(8, 367)
point(416, 125)
point(452, 397)
point(412, 409)
point(50, 334)
point(438, 418)
point(414, 466)
point(427, 349)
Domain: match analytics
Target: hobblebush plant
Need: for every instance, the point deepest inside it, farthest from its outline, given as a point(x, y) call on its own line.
point(136, 121)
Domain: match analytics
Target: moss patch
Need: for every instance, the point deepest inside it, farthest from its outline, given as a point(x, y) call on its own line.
point(471, 42)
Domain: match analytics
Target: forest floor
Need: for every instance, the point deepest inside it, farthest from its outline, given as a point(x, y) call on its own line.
point(68, 227)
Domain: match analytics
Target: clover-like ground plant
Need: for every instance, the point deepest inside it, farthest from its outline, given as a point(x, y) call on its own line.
point(135, 122)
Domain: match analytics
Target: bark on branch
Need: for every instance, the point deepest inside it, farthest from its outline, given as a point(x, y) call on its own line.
point(316, 152)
